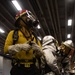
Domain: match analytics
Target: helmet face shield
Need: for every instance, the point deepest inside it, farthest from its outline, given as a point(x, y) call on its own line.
point(30, 20)
point(30, 16)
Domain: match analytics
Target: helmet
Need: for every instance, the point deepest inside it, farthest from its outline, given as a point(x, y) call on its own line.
point(30, 18)
point(48, 39)
point(19, 14)
point(66, 47)
point(69, 44)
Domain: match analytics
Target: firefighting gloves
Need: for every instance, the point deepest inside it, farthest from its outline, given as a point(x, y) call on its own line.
point(26, 46)
point(18, 47)
point(37, 49)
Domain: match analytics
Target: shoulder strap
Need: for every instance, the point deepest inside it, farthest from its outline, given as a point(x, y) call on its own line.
point(35, 37)
point(15, 36)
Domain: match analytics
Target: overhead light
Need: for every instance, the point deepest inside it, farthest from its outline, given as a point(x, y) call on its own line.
point(38, 27)
point(69, 22)
point(16, 4)
point(2, 31)
point(68, 35)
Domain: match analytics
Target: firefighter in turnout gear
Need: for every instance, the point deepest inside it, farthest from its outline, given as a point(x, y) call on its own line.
point(49, 47)
point(64, 57)
point(23, 45)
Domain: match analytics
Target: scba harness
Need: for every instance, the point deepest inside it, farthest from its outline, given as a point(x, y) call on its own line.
point(24, 62)
point(15, 36)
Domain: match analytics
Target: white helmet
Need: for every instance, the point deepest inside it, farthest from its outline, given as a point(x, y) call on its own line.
point(48, 39)
point(68, 43)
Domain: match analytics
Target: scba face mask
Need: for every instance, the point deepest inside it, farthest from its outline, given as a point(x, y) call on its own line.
point(30, 21)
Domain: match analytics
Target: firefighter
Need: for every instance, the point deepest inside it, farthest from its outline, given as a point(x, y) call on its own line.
point(64, 56)
point(49, 47)
point(23, 45)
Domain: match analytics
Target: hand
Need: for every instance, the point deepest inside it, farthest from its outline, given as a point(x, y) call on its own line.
point(31, 43)
point(13, 49)
point(26, 47)
point(18, 47)
point(37, 49)
point(35, 46)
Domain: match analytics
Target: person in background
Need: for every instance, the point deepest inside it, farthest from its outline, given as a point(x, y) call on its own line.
point(23, 45)
point(49, 47)
point(64, 57)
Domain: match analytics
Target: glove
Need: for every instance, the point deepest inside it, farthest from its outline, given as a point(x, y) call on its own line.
point(18, 47)
point(35, 46)
point(36, 49)
point(25, 47)
point(12, 49)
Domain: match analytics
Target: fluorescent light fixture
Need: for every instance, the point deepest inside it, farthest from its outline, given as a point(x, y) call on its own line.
point(38, 27)
point(68, 35)
point(39, 38)
point(16, 4)
point(69, 22)
point(2, 31)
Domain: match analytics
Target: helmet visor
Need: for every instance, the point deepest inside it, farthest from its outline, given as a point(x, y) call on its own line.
point(29, 20)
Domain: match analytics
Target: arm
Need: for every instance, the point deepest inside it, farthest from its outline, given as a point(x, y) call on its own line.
point(8, 42)
point(10, 48)
point(18, 47)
